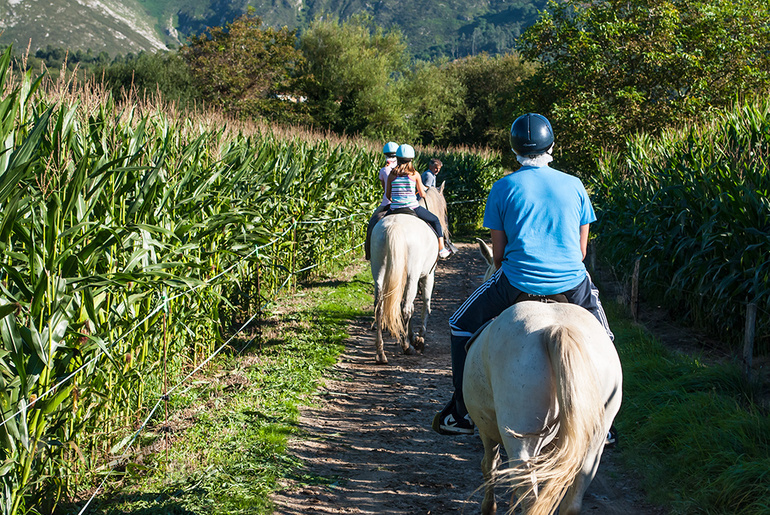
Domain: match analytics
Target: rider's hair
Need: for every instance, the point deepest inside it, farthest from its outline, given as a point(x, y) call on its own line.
point(537, 161)
point(404, 169)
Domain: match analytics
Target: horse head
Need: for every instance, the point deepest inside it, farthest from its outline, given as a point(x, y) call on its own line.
point(486, 253)
point(435, 202)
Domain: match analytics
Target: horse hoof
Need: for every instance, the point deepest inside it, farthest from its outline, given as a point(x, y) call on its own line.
point(381, 360)
point(419, 343)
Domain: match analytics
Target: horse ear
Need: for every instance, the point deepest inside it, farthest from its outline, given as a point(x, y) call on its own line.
point(486, 251)
point(441, 188)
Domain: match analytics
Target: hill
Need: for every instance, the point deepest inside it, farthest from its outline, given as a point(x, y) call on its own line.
point(112, 26)
point(452, 28)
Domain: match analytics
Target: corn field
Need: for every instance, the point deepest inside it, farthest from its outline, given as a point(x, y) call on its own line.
point(127, 237)
point(134, 240)
point(694, 207)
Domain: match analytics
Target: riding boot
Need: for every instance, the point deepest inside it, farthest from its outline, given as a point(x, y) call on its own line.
point(458, 367)
point(368, 240)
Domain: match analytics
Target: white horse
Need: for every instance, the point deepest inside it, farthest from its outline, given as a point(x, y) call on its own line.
point(404, 256)
point(544, 380)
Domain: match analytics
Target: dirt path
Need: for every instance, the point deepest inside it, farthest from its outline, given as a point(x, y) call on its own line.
point(372, 431)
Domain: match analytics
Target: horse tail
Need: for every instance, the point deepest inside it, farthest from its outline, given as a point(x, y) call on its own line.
point(580, 421)
point(394, 281)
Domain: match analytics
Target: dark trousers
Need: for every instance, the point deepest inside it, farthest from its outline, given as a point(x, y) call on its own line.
point(487, 302)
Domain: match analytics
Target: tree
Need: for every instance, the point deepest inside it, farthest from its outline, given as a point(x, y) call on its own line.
point(242, 67)
point(493, 96)
point(161, 73)
point(350, 76)
point(613, 68)
point(431, 98)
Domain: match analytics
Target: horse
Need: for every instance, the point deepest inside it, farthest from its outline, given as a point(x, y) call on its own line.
point(544, 380)
point(404, 256)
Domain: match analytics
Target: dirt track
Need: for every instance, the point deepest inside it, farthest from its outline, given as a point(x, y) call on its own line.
point(372, 433)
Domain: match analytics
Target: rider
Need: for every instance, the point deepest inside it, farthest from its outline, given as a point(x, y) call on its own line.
point(390, 162)
point(539, 220)
point(402, 187)
point(429, 175)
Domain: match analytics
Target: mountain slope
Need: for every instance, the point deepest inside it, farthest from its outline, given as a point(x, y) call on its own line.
point(113, 26)
point(451, 28)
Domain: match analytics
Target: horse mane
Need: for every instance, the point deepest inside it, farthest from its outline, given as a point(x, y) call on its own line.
point(435, 203)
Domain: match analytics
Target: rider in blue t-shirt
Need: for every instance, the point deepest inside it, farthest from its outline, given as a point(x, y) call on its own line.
point(539, 220)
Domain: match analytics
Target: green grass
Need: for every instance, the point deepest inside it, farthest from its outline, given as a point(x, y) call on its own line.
point(228, 450)
point(693, 431)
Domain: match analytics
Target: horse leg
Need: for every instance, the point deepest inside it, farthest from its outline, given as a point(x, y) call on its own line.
point(524, 497)
point(426, 284)
point(520, 451)
point(489, 464)
point(378, 344)
point(407, 312)
point(573, 499)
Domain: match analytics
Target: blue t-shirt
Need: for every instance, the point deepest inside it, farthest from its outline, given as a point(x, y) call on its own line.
point(541, 211)
point(428, 179)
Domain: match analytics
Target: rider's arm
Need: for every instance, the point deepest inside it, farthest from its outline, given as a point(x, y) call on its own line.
point(584, 239)
point(499, 241)
point(420, 187)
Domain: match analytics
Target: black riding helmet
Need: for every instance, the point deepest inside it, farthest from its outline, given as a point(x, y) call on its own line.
point(531, 134)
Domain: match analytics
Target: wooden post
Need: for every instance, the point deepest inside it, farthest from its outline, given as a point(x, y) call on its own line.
point(635, 291)
point(294, 252)
point(748, 338)
point(259, 311)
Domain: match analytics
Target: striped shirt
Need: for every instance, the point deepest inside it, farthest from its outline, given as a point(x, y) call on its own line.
point(402, 193)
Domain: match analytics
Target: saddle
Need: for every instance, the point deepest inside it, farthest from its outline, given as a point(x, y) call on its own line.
point(523, 297)
point(400, 211)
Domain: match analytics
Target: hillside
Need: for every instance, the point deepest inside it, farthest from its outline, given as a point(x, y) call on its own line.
point(112, 26)
point(452, 28)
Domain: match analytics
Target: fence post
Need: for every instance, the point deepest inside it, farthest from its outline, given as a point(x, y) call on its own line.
point(748, 338)
point(635, 291)
point(259, 310)
point(294, 252)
